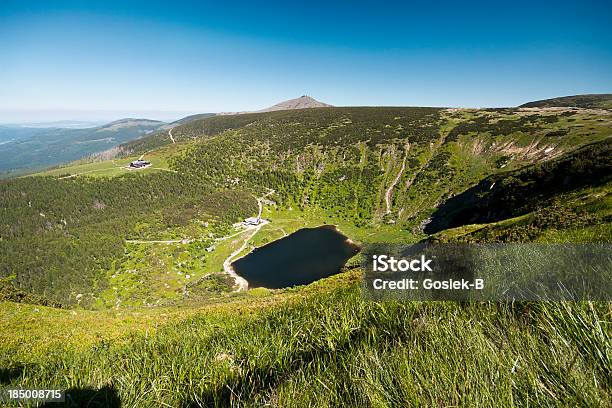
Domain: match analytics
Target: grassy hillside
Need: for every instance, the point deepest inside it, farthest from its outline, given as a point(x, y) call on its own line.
point(320, 346)
point(149, 318)
point(603, 101)
point(114, 167)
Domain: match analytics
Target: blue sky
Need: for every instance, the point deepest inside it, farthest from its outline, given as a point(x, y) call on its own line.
point(89, 60)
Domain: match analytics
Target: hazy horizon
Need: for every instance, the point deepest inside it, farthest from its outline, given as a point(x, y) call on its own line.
point(102, 61)
point(21, 117)
point(98, 117)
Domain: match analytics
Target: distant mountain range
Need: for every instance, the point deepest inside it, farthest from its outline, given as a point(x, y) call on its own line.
point(130, 123)
point(35, 146)
point(64, 124)
point(38, 145)
point(28, 148)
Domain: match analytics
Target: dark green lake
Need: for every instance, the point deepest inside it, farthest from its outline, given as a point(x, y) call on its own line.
point(301, 258)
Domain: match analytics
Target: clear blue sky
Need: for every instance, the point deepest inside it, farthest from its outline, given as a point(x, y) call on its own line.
point(106, 59)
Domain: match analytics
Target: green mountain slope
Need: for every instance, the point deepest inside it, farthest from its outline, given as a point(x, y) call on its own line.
point(603, 101)
point(518, 192)
point(190, 118)
point(345, 160)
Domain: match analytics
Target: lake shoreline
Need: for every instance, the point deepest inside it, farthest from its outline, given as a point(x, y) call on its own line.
point(308, 254)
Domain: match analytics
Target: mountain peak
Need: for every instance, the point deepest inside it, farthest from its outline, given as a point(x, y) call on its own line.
point(302, 102)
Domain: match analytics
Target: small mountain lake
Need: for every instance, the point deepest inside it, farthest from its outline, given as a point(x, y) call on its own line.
point(303, 257)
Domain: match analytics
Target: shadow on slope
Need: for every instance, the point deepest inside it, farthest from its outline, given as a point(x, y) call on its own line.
point(105, 397)
point(7, 375)
point(518, 192)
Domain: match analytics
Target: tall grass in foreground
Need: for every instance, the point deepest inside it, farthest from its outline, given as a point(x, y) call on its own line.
point(336, 349)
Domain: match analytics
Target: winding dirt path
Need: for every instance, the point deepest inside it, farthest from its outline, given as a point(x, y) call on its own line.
point(171, 137)
point(227, 264)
